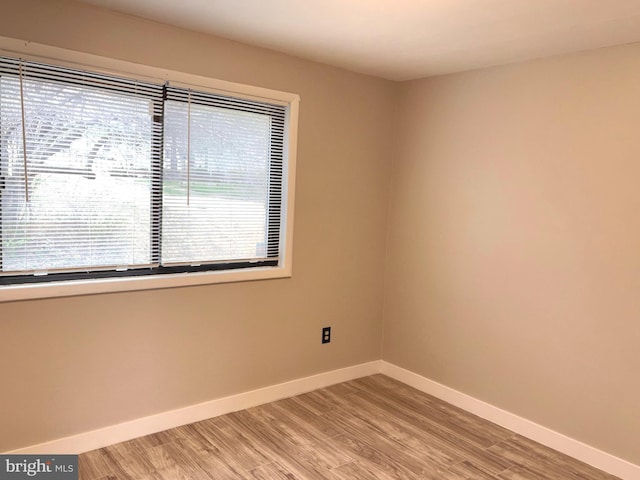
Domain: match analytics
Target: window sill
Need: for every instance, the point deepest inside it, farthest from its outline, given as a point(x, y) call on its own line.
point(11, 293)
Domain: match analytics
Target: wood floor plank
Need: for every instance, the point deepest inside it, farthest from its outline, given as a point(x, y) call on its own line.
point(367, 455)
point(172, 473)
point(323, 401)
point(471, 427)
point(340, 389)
point(404, 433)
point(180, 457)
point(159, 458)
point(297, 411)
point(278, 448)
point(365, 429)
point(325, 454)
point(467, 471)
point(295, 429)
point(369, 433)
point(230, 445)
point(524, 473)
point(272, 471)
point(126, 462)
point(357, 471)
point(444, 439)
point(544, 461)
point(93, 465)
point(376, 382)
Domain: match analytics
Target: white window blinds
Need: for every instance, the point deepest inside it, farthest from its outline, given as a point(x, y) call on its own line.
point(107, 176)
point(76, 165)
point(222, 178)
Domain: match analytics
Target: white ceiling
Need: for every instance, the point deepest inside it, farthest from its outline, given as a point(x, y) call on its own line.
point(404, 39)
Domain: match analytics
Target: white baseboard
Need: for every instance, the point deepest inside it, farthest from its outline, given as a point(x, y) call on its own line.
point(121, 432)
point(103, 437)
point(569, 446)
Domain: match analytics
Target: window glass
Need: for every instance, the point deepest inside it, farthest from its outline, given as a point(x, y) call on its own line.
point(216, 179)
point(88, 164)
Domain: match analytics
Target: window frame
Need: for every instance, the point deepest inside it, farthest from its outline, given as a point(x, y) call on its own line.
point(169, 278)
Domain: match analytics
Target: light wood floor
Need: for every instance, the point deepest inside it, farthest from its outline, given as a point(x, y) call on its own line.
point(371, 428)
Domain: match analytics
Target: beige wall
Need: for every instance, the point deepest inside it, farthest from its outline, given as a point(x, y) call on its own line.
point(513, 268)
point(75, 364)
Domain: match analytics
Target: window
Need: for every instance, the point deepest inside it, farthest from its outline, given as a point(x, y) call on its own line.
point(231, 191)
point(105, 177)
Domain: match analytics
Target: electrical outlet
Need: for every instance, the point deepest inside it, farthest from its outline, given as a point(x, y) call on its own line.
point(326, 335)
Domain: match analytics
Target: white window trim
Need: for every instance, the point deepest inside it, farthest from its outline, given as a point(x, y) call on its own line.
point(69, 58)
